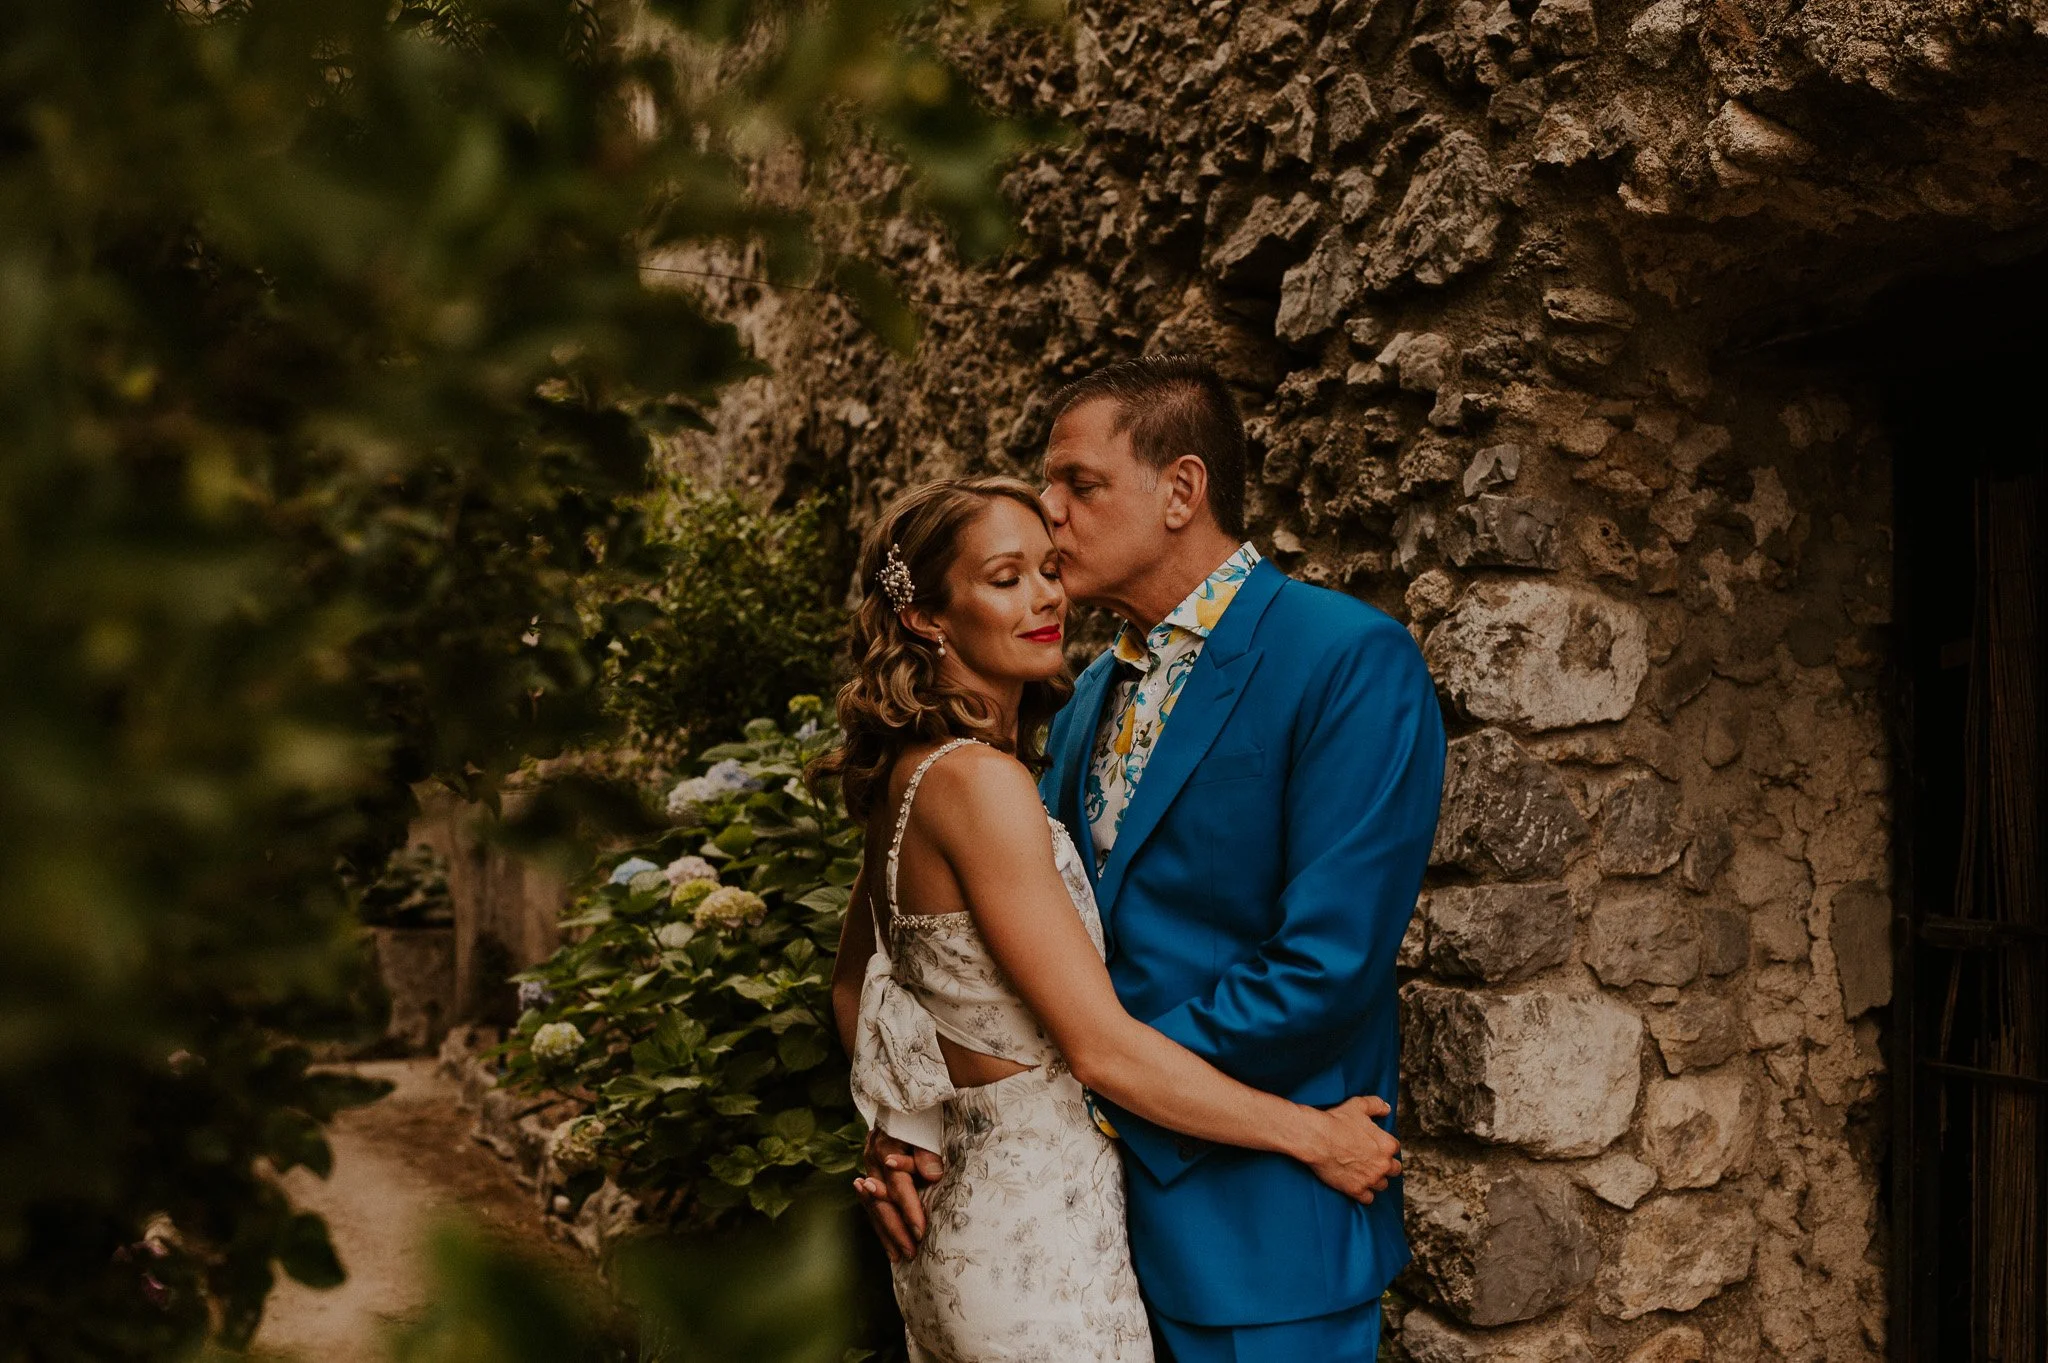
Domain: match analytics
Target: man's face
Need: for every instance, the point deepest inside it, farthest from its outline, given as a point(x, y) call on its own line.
point(1108, 509)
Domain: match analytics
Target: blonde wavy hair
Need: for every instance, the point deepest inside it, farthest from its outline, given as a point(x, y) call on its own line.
point(897, 696)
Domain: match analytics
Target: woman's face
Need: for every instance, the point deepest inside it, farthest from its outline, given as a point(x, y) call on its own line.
point(1005, 618)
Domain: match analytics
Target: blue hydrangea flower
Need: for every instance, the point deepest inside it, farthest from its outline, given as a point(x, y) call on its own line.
point(630, 867)
point(723, 779)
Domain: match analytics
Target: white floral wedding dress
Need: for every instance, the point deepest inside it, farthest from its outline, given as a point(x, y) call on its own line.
point(1025, 1259)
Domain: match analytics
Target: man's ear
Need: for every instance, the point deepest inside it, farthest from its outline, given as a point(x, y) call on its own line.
point(1187, 490)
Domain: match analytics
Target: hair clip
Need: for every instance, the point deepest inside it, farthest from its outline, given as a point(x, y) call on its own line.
point(895, 580)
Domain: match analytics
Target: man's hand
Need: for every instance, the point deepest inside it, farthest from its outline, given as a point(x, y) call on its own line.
point(1350, 1151)
point(890, 1191)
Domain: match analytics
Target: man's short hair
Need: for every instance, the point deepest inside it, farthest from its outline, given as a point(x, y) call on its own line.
point(1174, 405)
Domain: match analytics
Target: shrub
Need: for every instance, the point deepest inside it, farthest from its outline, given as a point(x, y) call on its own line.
point(694, 1014)
point(748, 611)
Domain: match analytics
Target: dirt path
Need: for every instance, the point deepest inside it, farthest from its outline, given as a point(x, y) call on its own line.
point(400, 1166)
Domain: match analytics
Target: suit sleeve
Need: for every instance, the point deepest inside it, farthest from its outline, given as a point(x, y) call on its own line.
point(1362, 792)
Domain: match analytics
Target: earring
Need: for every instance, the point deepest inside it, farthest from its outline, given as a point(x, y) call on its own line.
point(942, 645)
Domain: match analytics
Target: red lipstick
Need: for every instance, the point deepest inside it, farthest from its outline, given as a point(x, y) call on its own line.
point(1049, 635)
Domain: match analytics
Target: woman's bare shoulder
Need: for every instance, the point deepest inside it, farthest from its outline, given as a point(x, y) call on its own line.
point(979, 787)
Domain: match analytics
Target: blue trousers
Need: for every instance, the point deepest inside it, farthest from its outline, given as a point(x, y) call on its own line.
point(1351, 1336)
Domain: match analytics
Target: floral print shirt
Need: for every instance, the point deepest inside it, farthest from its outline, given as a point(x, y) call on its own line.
point(1152, 669)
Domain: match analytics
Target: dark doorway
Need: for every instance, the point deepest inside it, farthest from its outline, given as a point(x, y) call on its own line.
point(1969, 1032)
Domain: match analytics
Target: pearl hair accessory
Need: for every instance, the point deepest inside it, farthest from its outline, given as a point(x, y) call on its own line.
point(895, 580)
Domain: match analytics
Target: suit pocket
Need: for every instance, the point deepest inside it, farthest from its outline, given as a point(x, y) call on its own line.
point(1238, 764)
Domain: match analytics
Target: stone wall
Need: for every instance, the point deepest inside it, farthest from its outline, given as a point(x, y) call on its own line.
point(1502, 284)
point(507, 909)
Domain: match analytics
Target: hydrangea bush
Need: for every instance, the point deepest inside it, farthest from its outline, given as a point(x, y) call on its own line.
point(692, 1010)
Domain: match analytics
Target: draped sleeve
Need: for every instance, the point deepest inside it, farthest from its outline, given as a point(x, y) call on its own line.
point(899, 1074)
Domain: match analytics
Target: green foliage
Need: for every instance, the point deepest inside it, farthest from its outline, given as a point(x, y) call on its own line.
point(326, 366)
point(749, 611)
point(697, 1019)
point(491, 1304)
point(777, 1294)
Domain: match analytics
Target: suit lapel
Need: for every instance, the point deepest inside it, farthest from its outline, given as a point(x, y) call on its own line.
point(1212, 691)
point(1091, 692)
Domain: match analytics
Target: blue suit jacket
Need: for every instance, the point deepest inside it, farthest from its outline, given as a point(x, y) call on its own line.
point(1265, 872)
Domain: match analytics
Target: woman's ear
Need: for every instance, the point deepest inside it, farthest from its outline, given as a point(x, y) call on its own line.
point(919, 621)
point(1187, 490)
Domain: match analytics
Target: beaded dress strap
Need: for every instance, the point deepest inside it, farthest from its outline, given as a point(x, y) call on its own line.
point(903, 816)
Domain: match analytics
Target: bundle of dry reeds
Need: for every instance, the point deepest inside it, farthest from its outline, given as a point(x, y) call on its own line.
point(2000, 878)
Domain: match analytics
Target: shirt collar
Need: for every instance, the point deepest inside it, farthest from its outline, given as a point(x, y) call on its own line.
point(1197, 613)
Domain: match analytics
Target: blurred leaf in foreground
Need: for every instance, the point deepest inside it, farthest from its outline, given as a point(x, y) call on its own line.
point(772, 1294)
point(324, 352)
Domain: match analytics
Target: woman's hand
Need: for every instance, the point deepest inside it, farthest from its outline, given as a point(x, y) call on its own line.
point(890, 1190)
point(1348, 1150)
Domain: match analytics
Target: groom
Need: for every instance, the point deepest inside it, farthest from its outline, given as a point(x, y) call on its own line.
point(1256, 765)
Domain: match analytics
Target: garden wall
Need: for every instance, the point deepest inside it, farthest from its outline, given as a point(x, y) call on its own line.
point(1507, 290)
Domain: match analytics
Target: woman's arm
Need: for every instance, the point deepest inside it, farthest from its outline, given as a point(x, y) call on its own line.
point(982, 812)
point(892, 1171)
point(849, 967)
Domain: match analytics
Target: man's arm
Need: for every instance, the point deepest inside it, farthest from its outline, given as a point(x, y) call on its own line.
point(1363, 789)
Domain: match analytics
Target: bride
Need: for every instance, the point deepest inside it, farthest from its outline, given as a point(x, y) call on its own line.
point(970, 986)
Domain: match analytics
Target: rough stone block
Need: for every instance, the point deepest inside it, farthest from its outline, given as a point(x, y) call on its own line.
point(1617, 1178)
point(1676, 1252)
point(1314, 294)
point(1724, 940)
point(1495, 466)
point(1429, 461)
point(1554, 1073)
point(1497, 932)
point(1608, 552)
point(1427, 1338)
point(1588, 308)
point(1760, 874)
point(1290, 125)
point(1743, 145)
point(1349, 114)
point(607, 1216)
point(1422, 360)
point(1584, 354)
point(1679, 1344)
point(1705, 855)
point(1259, 251)
point(1861, 935)
point(1697, 1033)
point(1448, 222)
point(1699, 1128)
point(1657, 35)
point(1564, 28)
point(1780, 929)
point(1643, 938)
point(1494, 1246)
point(1639, 830)
point(1430, 595)
point(1502, 532)
point(1413, 954)
point(1682, 679)
point(1504, 812)
point(1541, 655)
